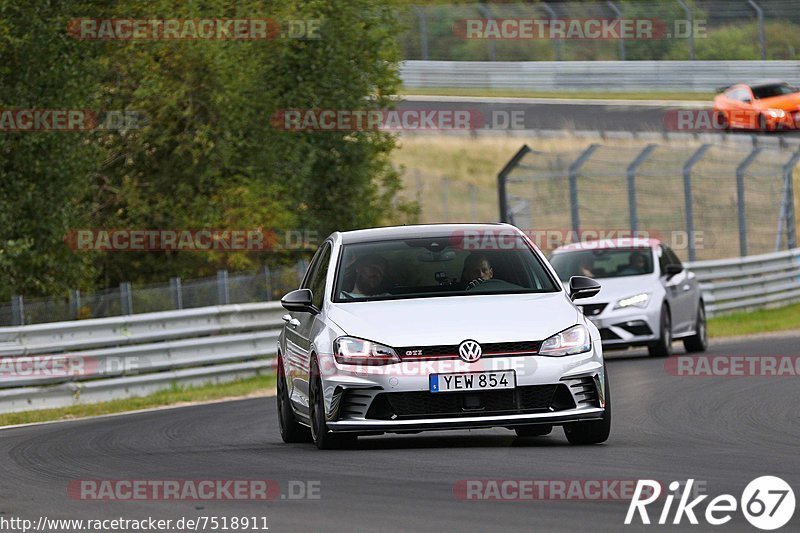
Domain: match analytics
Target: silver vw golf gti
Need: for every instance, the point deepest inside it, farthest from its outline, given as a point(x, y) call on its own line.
point(414, 328)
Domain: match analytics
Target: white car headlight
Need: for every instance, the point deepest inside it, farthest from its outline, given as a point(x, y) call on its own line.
point(570, 341)
point(637, 300)
point(355, 351)
point(776, 113)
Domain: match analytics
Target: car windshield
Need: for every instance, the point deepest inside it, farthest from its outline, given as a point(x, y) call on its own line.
point(428, 267)
point(603, 263)
point(777, 89)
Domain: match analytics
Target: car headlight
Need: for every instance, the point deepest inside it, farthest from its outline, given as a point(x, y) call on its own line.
point(355, 351)
point(638, 300)
point(776, 113)
point(570, 341)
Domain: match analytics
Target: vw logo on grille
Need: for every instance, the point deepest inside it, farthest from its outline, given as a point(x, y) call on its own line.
point(470, 351)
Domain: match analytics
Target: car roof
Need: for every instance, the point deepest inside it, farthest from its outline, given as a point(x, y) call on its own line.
point(419, 230)
point(607, 244)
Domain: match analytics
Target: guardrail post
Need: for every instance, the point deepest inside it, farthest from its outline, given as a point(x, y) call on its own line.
point(687, 196)
point(268, 282)
point(17, 310)
point(176, 289)
point(618, 14)
point(445, 199)
point(75, 304)
point(490, 47)
point(223, 298)
point(690, 20)
point(574, 168)
point(740, 205)
point(762, 40)
point(556, 42)
point(502, 177)
point(423, 31)
point(125, 298)
point(632, 169)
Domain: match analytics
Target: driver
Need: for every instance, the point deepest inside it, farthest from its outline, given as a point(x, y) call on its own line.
point(370, 271)
point(478, 269)
point(637, 263)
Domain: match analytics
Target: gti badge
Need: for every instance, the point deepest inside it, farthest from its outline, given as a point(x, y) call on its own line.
point(469, 351)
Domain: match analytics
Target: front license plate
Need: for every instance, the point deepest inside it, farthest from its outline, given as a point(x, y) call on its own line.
point(501, 379)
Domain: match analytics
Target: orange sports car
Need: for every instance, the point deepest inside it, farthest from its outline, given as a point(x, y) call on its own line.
point(762, 106)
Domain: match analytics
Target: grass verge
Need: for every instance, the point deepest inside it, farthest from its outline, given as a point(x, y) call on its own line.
point(753, 322)
point(174, 396)
point(582, 95)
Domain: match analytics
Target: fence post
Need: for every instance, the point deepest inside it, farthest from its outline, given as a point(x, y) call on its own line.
point(502, 176)
point(556, 42)
point(687, 196)
point(574, 168)
point(690, 20)
point(473, 213)
point(423, 31)
point(787, 216)
point(762, 40)
point(223, 298)
point(445, 199)
point(176, 289)
point(268, 282)
point(75, 304)
point(632, 169)
point(618, 14)
point(125, 298)
point(17, 310)
point(740, 205)
point(489, 42)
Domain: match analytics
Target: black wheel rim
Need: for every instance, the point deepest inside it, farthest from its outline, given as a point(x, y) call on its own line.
point(315, 410)
point(702, 328)
point(667, 332)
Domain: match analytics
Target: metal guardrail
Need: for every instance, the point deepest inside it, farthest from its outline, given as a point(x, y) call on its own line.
point(684, 76)
point(749, 282)
point(86, 361)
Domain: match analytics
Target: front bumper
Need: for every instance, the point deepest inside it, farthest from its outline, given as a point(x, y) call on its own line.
point(549, 390)
point(628, 327)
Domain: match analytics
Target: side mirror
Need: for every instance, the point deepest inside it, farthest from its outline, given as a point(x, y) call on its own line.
point(582, 287)
point(673, 269)
point(299, 300)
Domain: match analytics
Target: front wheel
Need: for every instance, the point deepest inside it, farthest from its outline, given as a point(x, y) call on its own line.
point(323, 438)
point(593, 431)
point(699, 341)
point(663, 346)
point(291, 430)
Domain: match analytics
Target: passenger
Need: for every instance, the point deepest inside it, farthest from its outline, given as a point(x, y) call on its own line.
point(370, 271)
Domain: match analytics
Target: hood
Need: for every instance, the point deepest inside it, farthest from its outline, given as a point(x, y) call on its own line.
point(787, 102)
point(450, 320)
point(613, 289)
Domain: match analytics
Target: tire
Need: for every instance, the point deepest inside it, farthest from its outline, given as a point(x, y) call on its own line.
point(291, 430)
point(699, 341)
point(663, 346)
point(322, 437)
point(593, 431)
point(533, 430)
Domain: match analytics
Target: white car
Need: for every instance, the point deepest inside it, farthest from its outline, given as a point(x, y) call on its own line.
point(649, 297)
point(414, 328)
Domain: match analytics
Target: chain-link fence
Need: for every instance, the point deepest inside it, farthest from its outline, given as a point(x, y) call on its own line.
point(683, 29)
point(708, 202)
point(224, 288)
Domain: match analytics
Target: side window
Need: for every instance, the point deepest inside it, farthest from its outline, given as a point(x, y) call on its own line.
point(312, 266)
point(317, 279)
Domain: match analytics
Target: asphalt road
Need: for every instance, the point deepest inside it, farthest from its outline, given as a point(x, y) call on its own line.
point(721, 431)
point(588, 115)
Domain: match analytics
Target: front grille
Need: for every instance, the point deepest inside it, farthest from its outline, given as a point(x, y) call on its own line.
point(528, 399)
point(592, 309)
point(451, 350)
point(608, 335)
